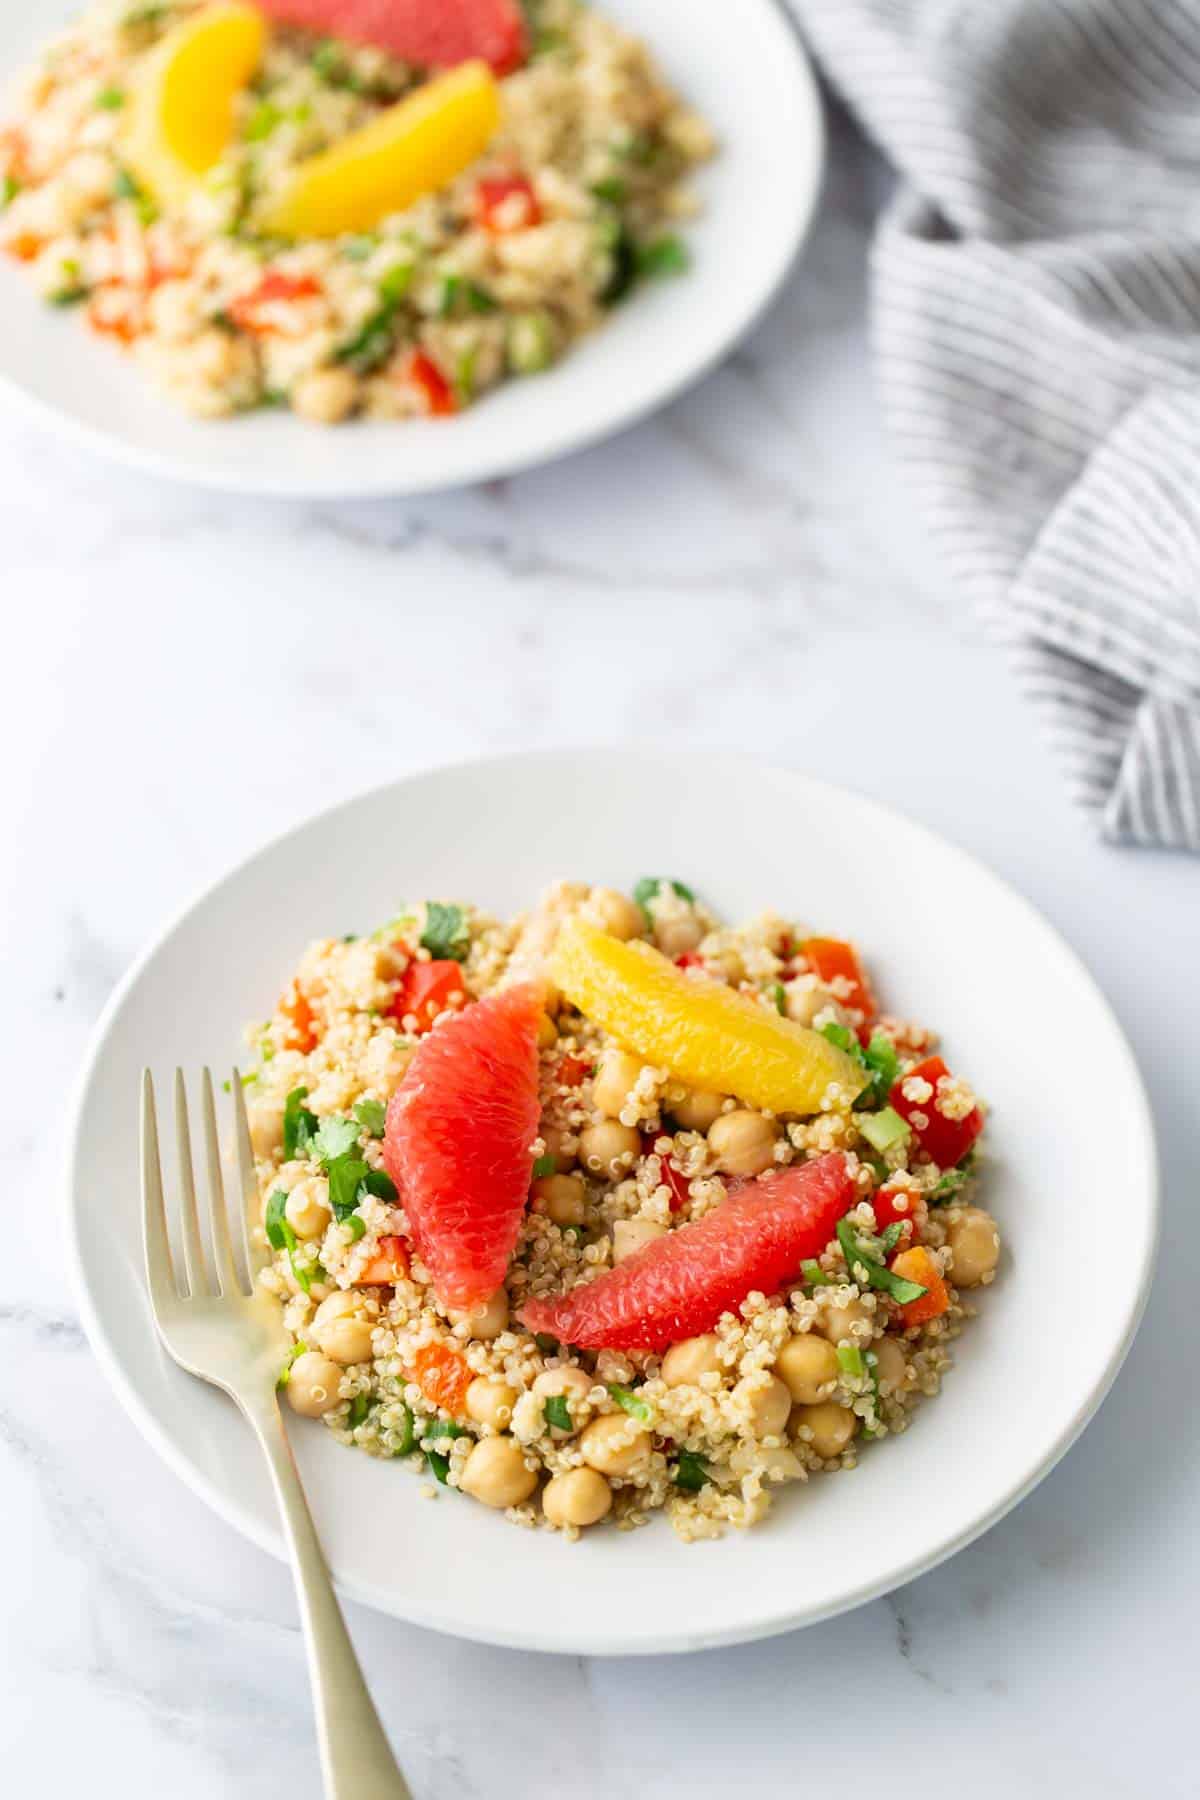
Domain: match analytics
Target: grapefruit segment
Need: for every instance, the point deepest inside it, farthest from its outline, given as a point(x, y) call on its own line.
point(434, 34)
point(457, 1142)
point(706, 1034)
point(679, 1285)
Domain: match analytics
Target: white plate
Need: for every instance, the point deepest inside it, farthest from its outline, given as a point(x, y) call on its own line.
point(1071, 1173)
point(753, 83)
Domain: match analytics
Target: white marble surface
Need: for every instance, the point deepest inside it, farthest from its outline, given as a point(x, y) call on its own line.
point(743, 570)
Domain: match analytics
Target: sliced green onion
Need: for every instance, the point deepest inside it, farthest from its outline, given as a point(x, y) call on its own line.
point(632, 1403)
point(356, 1226)
point(883, 1129)
point(262, 121)
point(408, 1436)
point(611, 189)
point(557, 1413)
point(779, 996)
point(280, 1235)
point(850, 1359)
point(372, 1116)
point(892, 1235)
point(543, 1166)
point(664, 256)
point(439, 1466)
point(530, 343)
point(285, 1373)
point(874, 1272)
point(814, 1274)
point(110, 99)
point(691, 1472)
point(360, 1406)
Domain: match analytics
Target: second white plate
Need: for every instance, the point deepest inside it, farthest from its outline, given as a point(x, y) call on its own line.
point(751, 80)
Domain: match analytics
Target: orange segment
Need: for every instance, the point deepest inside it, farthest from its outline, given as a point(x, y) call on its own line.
point(709, 1036)
point(181, 113)
point(413, 148)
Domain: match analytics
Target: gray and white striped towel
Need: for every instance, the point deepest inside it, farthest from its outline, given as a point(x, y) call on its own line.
point(1037, 324)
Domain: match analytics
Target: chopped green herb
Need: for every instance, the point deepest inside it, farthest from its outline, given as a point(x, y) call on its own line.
point(334, 1137)
point(372, 1116)
point(632, 1403)
point(814, 1274)
point(329, 63)
point(636, 147)
point(557, 1413)
point(372, 343)
point(779, 996)
point(110, 99)
point(479, 300)
point(439, 1466)
point(69, 296)
point(892, 1235)
point(545, 1343)
point(408, 1435)
point(150, 14)
point(262, 121)
point(953, 1181)
point(10, 187)
point(691, 1472)
point(280, 1236)
point(299, 1125)
point(545, 1165)
point(883, 1129)
point(446, 935)
point(850, 1359)
point(623, 270)
point(871, 1359)
point(646, 892)
point(841, 1036)
point(448, 298)
point(612, 189)
point(395, 282)
point(127, 187)
point(464, 375)
point(355, 1226)
point(663, 256)
point(285, 1373)
point(882, 1059)
point(530, 342)
point(876, 1275)
point(360, 1406)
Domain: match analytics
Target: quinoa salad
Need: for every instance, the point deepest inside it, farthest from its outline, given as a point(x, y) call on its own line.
point(342, 232)
point(611, 1208)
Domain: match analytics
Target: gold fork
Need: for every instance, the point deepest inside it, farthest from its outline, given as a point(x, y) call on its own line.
point(229, 1332)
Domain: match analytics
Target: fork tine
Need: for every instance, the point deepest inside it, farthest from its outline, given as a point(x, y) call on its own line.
point(160, 1271)
point(193, 1250)
point(227, 1275)
point(249, 1180)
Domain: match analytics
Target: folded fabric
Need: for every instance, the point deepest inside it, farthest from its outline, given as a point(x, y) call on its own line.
point(1037, 325)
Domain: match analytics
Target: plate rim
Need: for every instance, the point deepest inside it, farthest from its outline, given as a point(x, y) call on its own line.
point(498, 464)
point(604, 1645)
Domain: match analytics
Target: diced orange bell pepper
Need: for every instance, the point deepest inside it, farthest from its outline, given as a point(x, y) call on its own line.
point(389, 1263)
point(917, 1265)
point(442, 1376)
point(302, 1032)
point(837, 964)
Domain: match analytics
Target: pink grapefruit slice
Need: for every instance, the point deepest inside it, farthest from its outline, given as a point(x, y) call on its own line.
point(680, 1285)
point(458, 1139)
point(434, 34)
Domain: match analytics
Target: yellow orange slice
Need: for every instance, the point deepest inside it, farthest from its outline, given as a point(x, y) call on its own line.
point(181, 111)
point(707, 1035)
point(413, 148)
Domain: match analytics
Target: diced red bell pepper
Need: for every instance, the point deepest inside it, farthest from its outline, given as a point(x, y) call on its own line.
point(427, 989)
point(675, 1179)
point(248, 311)
point(572, 1071)
point(945, 1141)
point(689, 960)
point(896, 1205)
point(917, 1265)
point(837, 965)
point(422, 373)
point(389, 1263)
point(302, 1032)
point(506, 203)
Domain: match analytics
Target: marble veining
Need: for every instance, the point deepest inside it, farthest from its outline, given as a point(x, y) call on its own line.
point(746, 569)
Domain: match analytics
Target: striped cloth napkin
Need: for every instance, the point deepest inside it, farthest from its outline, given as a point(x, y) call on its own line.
point(1037, 326)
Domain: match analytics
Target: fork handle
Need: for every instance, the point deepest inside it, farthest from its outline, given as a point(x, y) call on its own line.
point(356, 1758)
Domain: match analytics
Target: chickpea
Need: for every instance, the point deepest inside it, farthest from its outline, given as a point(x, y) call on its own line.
point(676, 936)
point(580, 1497)
point(609, 1148)
point(809, 1366)
point(891, 1367)
point(687, 1361)
point(496, 1473)
point(768, 1401)
point(307, 1207)
point(547, 1032)
point(615, 913)
point(266, 1126)
point(347, 1340)
point(343, 1303)
point(559, 1197)
point(697, 1111)
point(326, 396)
point(846, 1321)
point(312, 1386)
point(804, 998)
point(491, 1402)
point(831, 1427)
point(557, 1141)
point(615, 1445)
point(743, 1142)
point(974, 1247)
point(614, 1081)
point(487, 1321)
point(631, 1235)
point(571, 1384)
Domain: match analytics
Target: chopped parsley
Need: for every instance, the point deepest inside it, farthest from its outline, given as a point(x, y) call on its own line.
point(779, 996)
point(446, 935)
point(557, 1413)
point(263, 121)
point(110, 99)
point(372, 1116)
point(280, 1236)
point(873, 1271)
point(953, 1181)
point(663, 256)
point(632, 1403)
point(299, 1125)
point(334, 1137)
point(646, 892)
point(545, 1165)
point(691, 1472)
